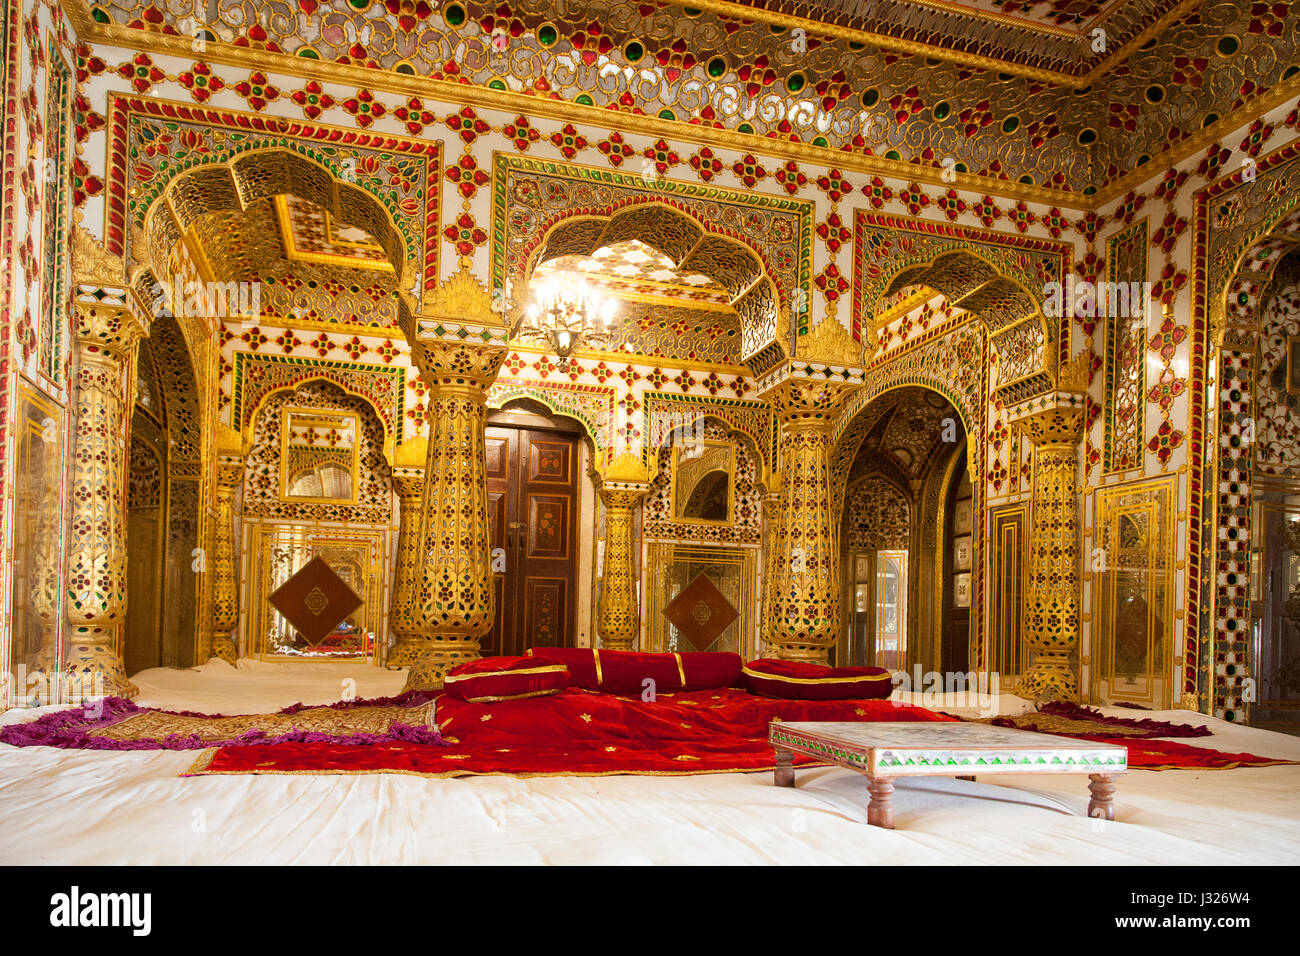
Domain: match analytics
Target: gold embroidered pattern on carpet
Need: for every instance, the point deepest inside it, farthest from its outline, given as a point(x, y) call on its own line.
point(1056, 724)
point(157, 725)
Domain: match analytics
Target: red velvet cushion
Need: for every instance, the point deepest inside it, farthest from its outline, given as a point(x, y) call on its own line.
point(797, 680)
point(625, 672)
point(492, 679)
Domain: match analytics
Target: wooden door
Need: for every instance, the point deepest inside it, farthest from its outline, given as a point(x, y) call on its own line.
point(532, 503)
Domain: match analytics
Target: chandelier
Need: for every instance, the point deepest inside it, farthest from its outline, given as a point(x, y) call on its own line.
point(569, 312)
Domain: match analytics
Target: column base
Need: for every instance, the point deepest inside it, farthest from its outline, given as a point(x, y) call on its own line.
point(427, 672)
point(223, 648)
point(95, 670)
point(408, 651)
point(808, 653)
point(1049, 678)
point(616, 644)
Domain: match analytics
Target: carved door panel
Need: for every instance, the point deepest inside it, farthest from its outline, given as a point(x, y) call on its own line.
point(532, 497)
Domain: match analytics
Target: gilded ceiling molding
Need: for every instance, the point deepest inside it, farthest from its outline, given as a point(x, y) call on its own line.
point(508, 101)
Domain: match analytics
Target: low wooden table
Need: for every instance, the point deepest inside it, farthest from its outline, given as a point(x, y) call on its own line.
point(886, 751)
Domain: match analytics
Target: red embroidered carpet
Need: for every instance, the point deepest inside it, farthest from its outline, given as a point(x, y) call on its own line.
point(575, 733)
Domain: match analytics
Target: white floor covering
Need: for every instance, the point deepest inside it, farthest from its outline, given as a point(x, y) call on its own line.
point(96, 807)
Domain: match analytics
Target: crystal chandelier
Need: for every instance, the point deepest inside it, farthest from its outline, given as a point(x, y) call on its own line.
point(569, 312)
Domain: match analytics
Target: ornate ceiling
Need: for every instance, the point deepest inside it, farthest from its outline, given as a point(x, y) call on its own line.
point(661, 311)
point(1006, 89)
point(909, 437)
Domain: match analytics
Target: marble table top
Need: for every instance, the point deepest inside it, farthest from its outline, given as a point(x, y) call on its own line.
point(923, 748)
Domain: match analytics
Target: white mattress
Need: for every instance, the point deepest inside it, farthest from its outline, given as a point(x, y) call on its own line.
point(84, 807)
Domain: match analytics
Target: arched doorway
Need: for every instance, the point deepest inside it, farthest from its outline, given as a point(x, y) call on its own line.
point(907, 536)
point(165, 560)
point(538, 499)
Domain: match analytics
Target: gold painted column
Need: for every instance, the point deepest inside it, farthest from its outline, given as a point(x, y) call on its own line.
point(1051, 615)
point(411, 642)
point(107, 335)
point(231, 453)
point(458, 344)
point(618, 619)
point(803, 600)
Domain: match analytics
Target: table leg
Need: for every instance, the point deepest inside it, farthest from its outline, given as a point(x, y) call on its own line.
point(880, 812)
point(1102, 788)
point(784, 767)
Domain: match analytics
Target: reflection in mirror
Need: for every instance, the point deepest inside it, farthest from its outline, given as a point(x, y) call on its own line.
point(319, 455)
point(703, 481)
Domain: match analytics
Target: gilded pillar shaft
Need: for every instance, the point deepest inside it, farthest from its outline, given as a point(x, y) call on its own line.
point(803, 616)
point(404, 624)
point(96, 578)
point(455, 596)
point(771, 557)
point(1051, 615)
point(225, 571)
point(618, 620)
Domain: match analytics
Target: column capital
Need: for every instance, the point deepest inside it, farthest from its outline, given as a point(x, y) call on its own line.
point(1052, 419)
point(104, 320)
point(805, 394)
point(407, 463)
point(459, 338)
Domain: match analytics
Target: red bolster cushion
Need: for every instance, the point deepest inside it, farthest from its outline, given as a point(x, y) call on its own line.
point(798, 680)
point(491, 679)
point(624, 672)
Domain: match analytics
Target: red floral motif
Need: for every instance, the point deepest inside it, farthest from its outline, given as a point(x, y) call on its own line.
point(615, 149)
point(364, 107)
point(1123, 116)
point(415, 116)
point(467, 124)
point(322, 344)
point(141, 72)
point(1164, 441)
point(257, 90)
point(1090, 225)
point(1165, 289)
point(834, 185)
point(465, 234)
point(1129, 207)
point(675, 59)
point(877, 192)
point(592, 43)
point(1167, 235)
point(201, 82)
point(1055, 222)
point(408, 12)
point(1189, 71)
point(906, 104)
point(287, 341)
point(705, 164)
point(975, 118)
point(568, 141)
point(1259, 134)
point(467, 176)
point(1213, 161)
point(914, 198)
point(312, 99)
point(987, 211)
point(1043, 130)
point(832, 284)
point(834, 233)
point(388, 351)
point(757, 75)
point(790, 177)
point(951, 204)
point(833, 91)
point(1021, 217)
point(522, 133)
point(1268, 19)
point(662, 156)
point(748, 171)
point(1170, 185)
